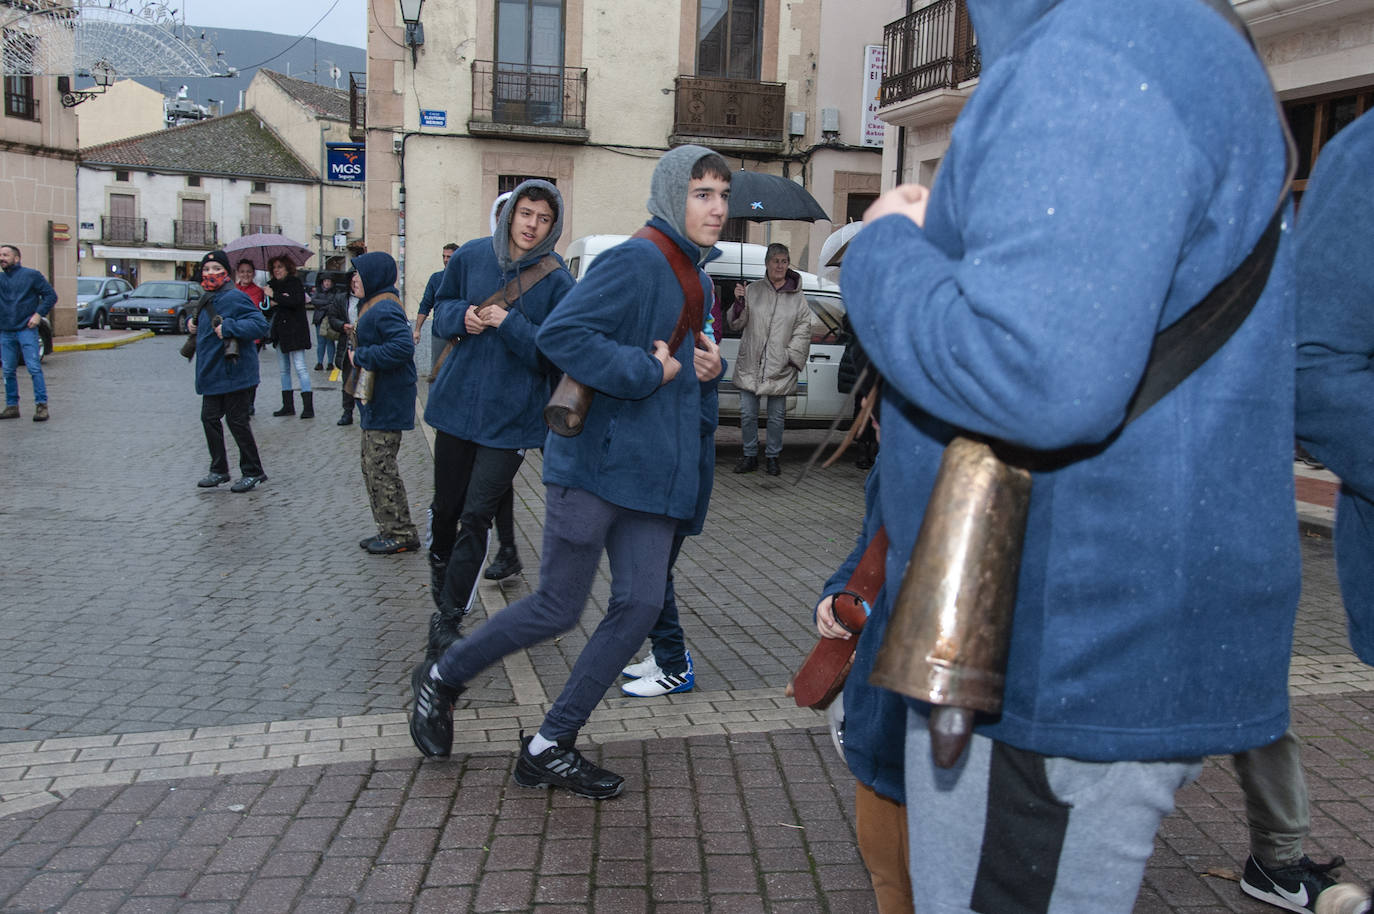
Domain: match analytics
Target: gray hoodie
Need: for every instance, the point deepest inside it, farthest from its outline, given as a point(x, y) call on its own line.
point(500, 238)
point(668, 189)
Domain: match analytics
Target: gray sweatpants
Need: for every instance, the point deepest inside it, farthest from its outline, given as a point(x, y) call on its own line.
point(1275, 800)
point(1008, 831)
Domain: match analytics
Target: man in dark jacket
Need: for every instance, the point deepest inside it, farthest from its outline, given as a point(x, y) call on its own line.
point(226, 380)
point(383, 347)
point(486, 404)
point(426, 306)
point(1090, 196)
point(25, 298)
point(621, 487)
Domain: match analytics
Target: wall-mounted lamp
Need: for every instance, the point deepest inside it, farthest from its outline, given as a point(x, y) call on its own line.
point(415, 33)
point(102, 73)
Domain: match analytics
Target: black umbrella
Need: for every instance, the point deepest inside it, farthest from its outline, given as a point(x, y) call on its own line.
point(761, 197)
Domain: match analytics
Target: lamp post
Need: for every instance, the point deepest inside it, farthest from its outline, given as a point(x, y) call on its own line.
point(101, 72)
point(415, 33)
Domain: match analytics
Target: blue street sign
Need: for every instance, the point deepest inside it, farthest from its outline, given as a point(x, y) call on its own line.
point(433, 117)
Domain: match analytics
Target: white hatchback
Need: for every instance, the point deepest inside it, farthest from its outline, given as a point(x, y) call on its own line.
point(818, 400)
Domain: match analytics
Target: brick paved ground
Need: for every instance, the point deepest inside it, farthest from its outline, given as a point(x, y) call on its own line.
point(201, 695)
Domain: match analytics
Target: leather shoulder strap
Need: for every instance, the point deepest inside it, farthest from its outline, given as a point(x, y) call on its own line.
point(688, 277)
point(507, 295)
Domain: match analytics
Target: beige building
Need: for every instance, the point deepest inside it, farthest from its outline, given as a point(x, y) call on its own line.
point(1320, 55)
point(125, 109)
point(38, 181)
point(590, 95)
point(309, 118)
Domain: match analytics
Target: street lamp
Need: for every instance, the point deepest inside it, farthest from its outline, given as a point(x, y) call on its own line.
point(102, 73)
point(415, 33)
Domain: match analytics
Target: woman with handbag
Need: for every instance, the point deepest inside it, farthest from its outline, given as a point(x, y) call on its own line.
point(290, 334)
point(326, 337)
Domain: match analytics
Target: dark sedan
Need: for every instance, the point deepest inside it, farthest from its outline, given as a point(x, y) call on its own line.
point(158, 305)
point(95, 295)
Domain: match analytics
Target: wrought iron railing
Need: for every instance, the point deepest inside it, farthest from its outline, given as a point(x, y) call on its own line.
point(195, 234)
point(729, 108)
point(529, 95)
point(21, 105)
point(357, 107)
point(253, 228)
point(932, 48)
point(123, 228)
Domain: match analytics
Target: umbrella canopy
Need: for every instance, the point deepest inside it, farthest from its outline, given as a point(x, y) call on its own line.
point(261, 247)
point(832, 250)
point(761, 197)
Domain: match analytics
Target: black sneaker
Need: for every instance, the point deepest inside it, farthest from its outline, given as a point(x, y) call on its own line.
point(747, 464)
point(564, 766)
point(367, 541)
point(1294, 887)
point(391, 546)
point(247, 483)
point(773, 469)
point(431, 717)
point(214, 479)
point(506, 563)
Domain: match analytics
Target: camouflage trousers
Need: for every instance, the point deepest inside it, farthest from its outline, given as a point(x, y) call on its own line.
point(385, 489)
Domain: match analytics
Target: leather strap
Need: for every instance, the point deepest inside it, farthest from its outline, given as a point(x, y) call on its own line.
point(689, 278)
point(822, 674)
point(508, 294)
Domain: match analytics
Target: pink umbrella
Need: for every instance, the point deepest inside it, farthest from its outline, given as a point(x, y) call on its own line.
point(262, 247)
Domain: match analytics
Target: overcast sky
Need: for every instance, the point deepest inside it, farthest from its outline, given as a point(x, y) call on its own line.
point(343, 25)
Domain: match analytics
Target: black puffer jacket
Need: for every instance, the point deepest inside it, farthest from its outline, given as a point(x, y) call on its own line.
point(290, 325)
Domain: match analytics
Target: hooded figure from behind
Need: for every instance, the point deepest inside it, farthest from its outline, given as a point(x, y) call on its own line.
point(383, 346)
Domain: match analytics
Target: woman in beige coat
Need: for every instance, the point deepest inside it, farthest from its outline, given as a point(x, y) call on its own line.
point(776, 324)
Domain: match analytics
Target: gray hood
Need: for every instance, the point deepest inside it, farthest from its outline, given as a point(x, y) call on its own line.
point(668, 189)
point(500, 238)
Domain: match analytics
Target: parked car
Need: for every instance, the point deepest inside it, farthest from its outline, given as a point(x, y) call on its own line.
point(95, 295)
point(818, 400)
point(158, 305)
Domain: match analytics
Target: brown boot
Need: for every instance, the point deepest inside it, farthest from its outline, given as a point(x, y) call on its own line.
point(9, 412)
point(40, 412)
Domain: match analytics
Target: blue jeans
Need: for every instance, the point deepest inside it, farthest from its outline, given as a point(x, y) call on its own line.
point(749, 424)
point(666, 638)
point(11, 343)
point(324, 349)
point(296, 360)
point(578, 527)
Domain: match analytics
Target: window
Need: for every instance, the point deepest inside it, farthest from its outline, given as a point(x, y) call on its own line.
point(259, 218)
point(729, 38)
point(19, 100)
point(121, 176)
point(193, 180)
point(529, 62)
point(507, 183)
point(1315, 121)
point(259, 187)
point(20, 49)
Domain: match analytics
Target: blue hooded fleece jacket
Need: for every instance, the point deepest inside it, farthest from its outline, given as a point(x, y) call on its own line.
point(23, 293)
point(239, 318)
point(641, 442)
point(1091, 194)
point(1335, 346)
point(384, 347)
point(492, 388)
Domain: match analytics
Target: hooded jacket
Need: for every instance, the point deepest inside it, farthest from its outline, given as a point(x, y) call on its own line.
point(641, 442)
point(241, 319)
point(1091, 194)
point(1335, 345)
point(385, 347)
point(23, 293)
point(776, 339)
point(492, 388)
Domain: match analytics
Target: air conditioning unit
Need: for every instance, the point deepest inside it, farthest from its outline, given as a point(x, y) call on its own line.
point(344, 224)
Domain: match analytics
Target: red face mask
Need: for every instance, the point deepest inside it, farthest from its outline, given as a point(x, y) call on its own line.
point(212, 283)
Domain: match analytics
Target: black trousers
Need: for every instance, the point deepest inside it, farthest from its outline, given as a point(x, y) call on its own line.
point(234, 408)
point(469, 483)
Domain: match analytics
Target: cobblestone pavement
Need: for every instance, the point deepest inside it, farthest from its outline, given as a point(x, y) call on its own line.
point(202, 694)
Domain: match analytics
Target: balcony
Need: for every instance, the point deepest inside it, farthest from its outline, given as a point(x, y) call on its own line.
point(253, 228)
point(931, 55)
point(187, 233)
point(123, 230)
point(523, 101)
point(729, 115)
point(357, 107)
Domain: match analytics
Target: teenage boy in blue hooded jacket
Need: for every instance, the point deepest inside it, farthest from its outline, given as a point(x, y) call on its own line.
point(487, 403)
point(621, 487)
point(227, 385)
point(383, 346)
point(1091, 195)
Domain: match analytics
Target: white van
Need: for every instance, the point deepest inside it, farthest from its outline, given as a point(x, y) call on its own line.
point(818, 399)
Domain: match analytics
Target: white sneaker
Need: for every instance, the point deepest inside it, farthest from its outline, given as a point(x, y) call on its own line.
point(648, 667)
point(662, 684)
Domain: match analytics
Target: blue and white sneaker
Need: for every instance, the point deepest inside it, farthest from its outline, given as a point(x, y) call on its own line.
point(646, 667)
point(661, 683)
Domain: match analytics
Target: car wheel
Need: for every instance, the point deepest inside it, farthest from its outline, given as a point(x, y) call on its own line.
point(181, 323)
point(99, 322)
